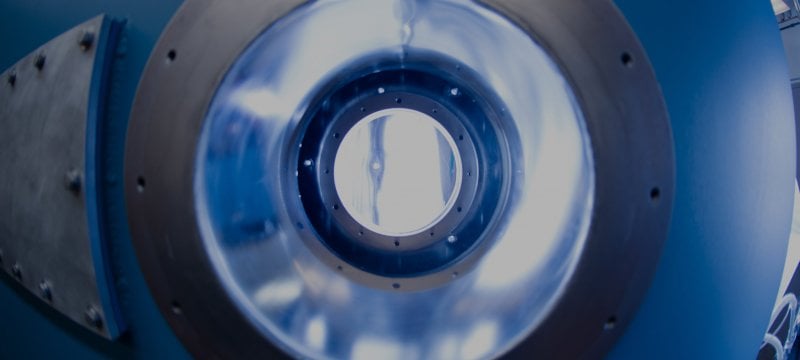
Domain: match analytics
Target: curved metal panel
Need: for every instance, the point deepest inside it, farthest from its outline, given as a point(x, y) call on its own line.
point(49, 114)
point(23, 27)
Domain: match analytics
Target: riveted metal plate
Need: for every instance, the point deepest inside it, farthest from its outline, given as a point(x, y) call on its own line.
point(50, 108)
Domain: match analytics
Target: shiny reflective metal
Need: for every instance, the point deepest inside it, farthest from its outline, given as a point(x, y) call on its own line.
point(220, 219)
point(49, 110)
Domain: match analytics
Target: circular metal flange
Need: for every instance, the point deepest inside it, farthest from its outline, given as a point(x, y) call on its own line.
point(631, 152)
point(419, 259)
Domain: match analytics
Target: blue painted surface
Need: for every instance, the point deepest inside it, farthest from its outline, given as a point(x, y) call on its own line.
point(105, 48)
point(30, 330)
point(723, 73)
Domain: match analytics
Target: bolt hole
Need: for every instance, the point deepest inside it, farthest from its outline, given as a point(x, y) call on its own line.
point(655, 194)
point(327, 171)
point(339, 267)
point(398, 100)
point(171, 55)
point(336, 135)
point(460, 137)
point(363, 109)
point(610, 323)
point(335, 206)
point(431, 234)
point(396, 243)
point(458, 209)
point(176, 308)
point(300, 225)
point(627, 59)
point(396, 285)
point(455, 274)
point(140, 184)
point(12, 79)
point(435, 111)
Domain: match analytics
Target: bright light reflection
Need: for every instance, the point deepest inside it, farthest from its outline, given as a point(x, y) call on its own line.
point(370, 348)
point(397, 171)
point(480, 341)
point(543, 225)
point(278, 293)
point(316, 333)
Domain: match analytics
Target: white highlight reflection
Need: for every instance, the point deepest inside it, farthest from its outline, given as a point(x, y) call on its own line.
point(480, 341)
point(397, 171)
point(278, 293)
point(316, 333)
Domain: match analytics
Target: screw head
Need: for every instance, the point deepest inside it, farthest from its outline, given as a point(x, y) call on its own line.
point(73, 181)
point(16, 270)
point(45, 291)
point(39, 61)
point(93, 318)
point(86, 40)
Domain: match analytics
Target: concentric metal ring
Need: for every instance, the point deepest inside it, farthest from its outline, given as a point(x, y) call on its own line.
point(589, 220)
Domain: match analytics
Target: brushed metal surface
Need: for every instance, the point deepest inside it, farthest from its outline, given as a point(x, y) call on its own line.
point(45, 107)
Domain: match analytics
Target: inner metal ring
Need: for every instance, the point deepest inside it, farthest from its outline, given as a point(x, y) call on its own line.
point(421, 83)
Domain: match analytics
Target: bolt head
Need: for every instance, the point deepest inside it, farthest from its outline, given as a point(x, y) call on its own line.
point(86, 40)
point(73, 181)
point(16, 270)
point(45, 291)
point(93, 318)
point(39, 61)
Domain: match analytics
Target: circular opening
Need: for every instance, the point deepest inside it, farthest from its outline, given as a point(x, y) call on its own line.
point(397, 172)
point(171, 55)
point(627, 59)
point(140, 184)
point(655, 194)
point(176, 308)
point(610, 323)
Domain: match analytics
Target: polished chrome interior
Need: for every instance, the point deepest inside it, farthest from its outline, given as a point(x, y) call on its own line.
point(313, 309)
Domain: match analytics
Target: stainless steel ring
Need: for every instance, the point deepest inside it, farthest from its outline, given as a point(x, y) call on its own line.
point(588, 200)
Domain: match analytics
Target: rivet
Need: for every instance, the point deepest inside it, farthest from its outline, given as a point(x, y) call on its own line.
point(45, 291)
point(73, 181)
point(16, 270)
point(39, 61)
point(86, 40)
point(93, 317)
